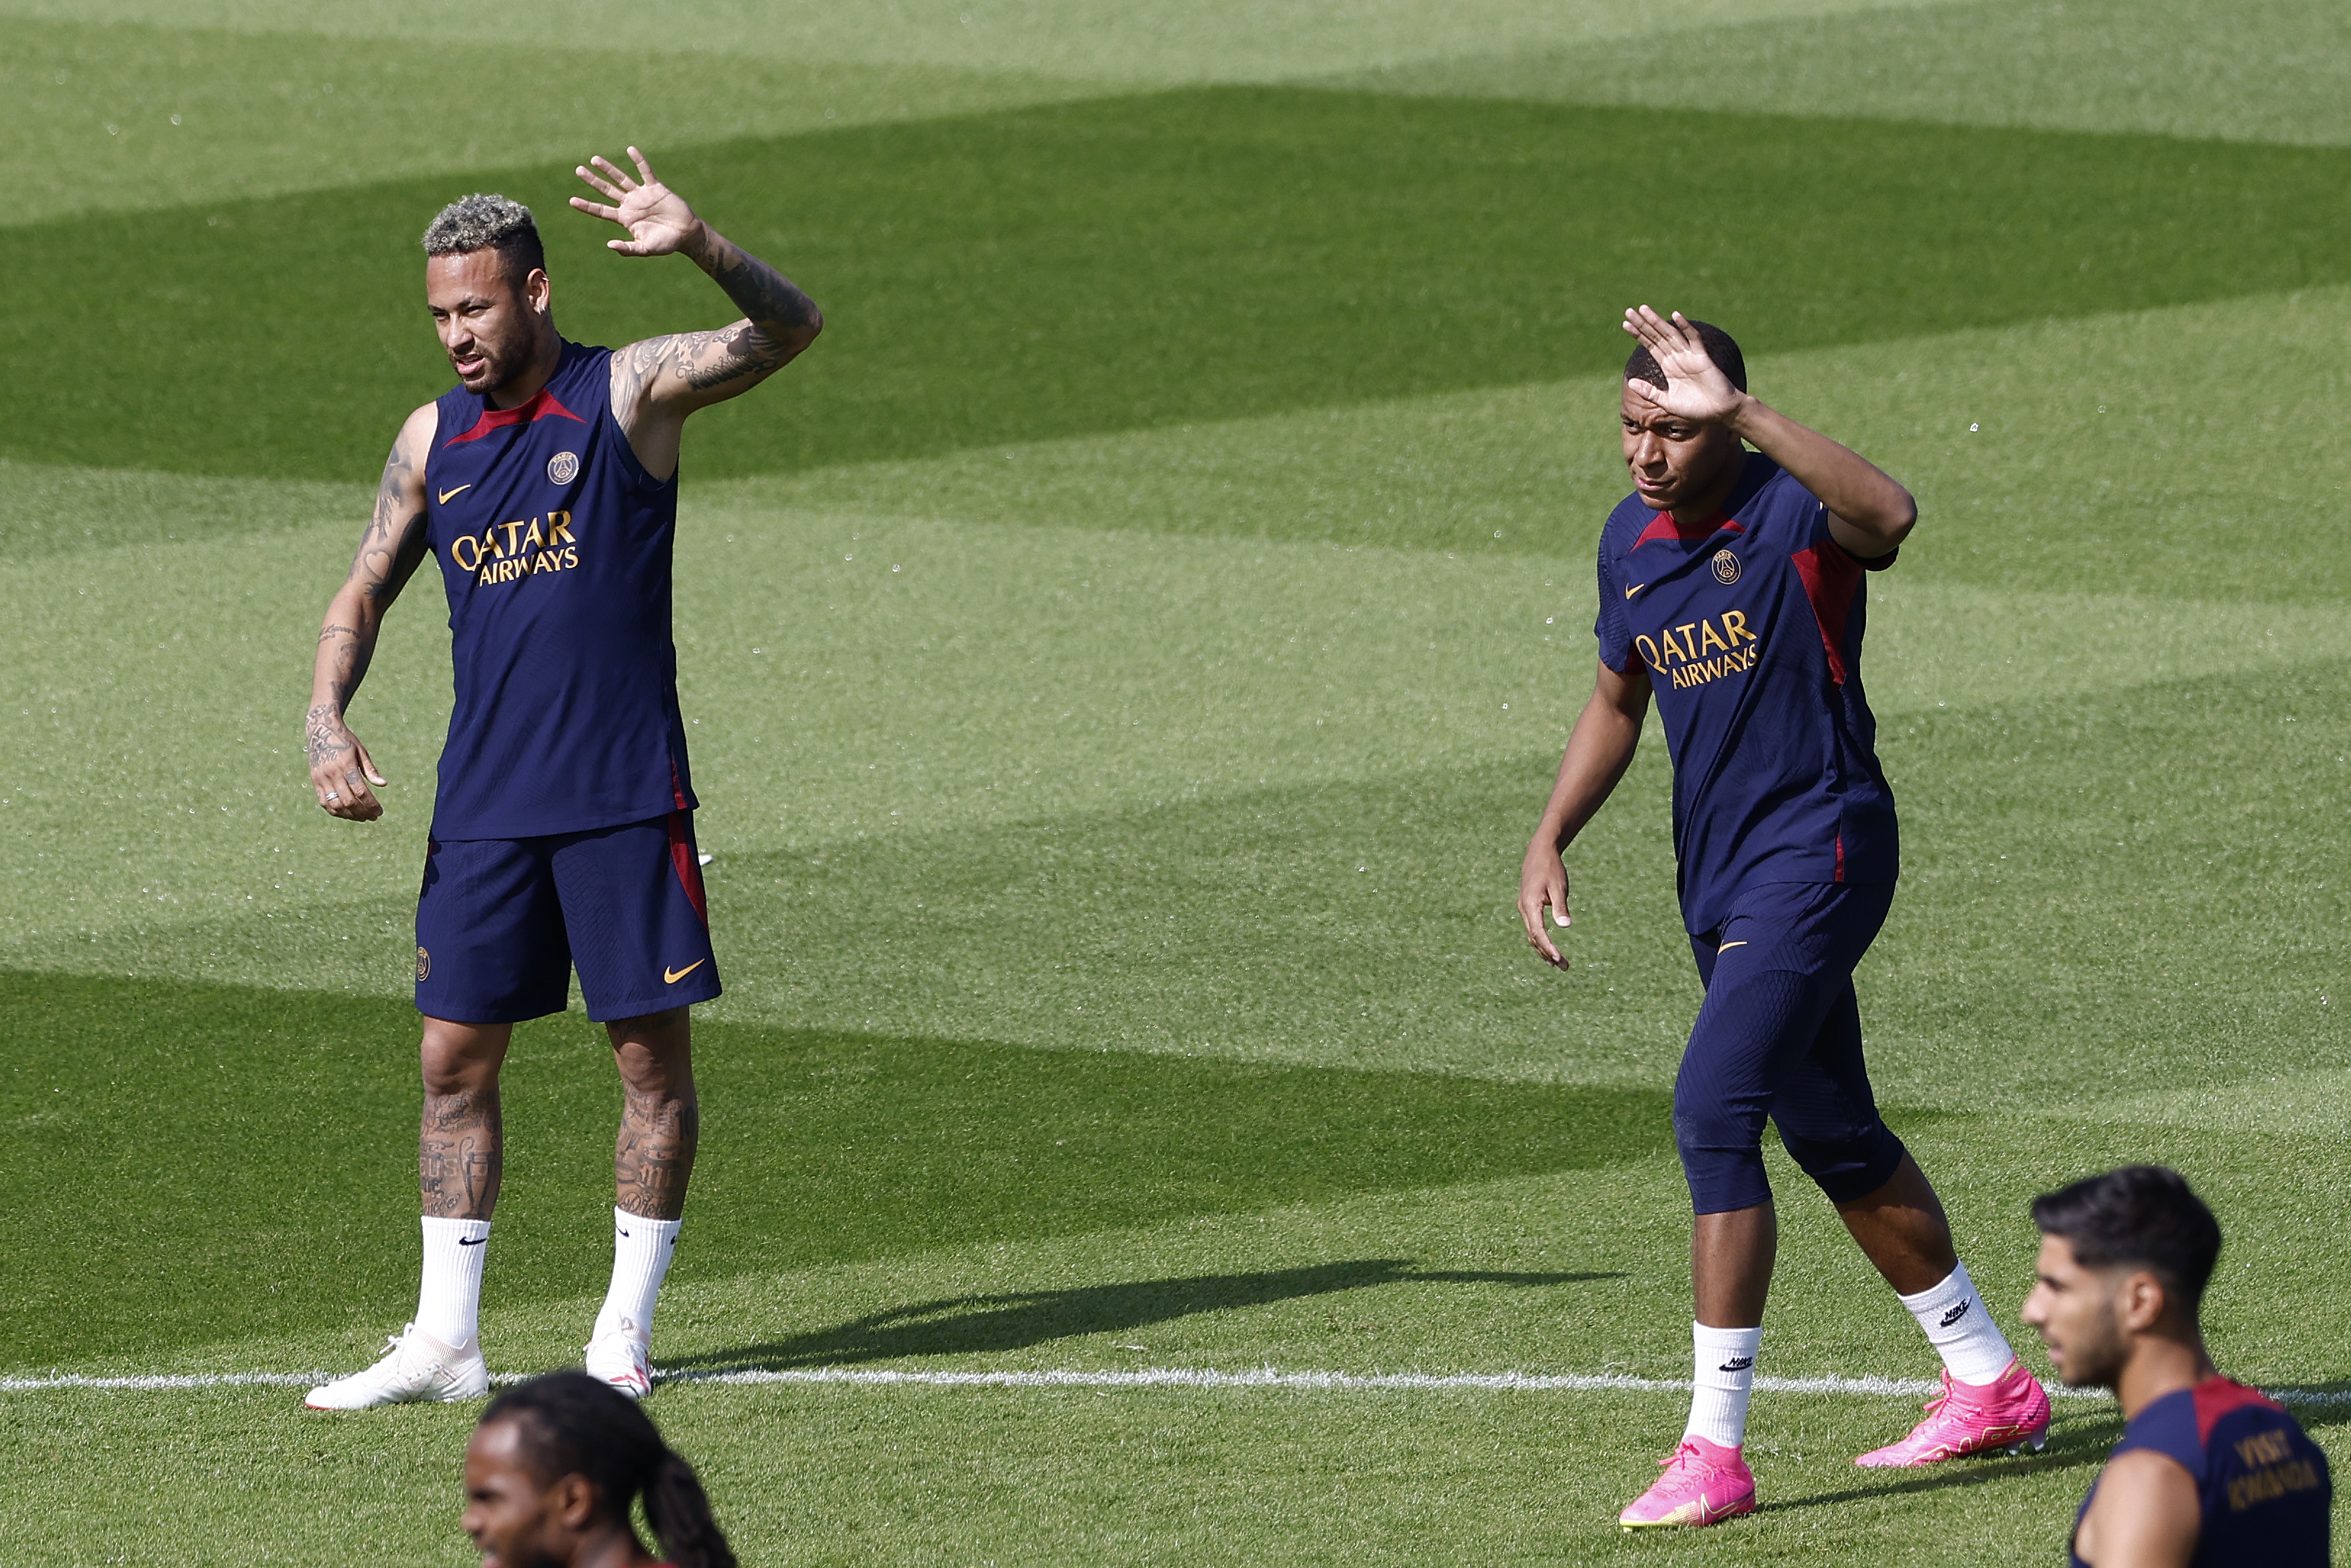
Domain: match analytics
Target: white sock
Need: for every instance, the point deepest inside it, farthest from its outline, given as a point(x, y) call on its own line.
point(641, 1254)
point(1960, 1326)
point(449, 1296)
point(1725, 1359)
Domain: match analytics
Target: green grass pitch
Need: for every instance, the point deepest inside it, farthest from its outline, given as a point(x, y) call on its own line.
point(1125, 659)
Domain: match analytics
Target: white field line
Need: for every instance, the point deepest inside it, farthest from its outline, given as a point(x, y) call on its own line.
point(158, 1382)
point(1145, 1377)
point(1268, 1377)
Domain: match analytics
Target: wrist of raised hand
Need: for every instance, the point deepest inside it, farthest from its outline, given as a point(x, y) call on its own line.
point(703, 243)
point(1744, 413)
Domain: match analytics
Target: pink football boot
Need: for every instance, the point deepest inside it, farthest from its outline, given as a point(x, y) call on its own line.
point(1704, 1483)
point(1973, 1419)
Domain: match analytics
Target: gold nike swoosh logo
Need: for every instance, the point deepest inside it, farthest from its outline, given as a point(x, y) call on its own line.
point(1726, 947)
point(1635, 589)
point(446, 494)
point(672, 976)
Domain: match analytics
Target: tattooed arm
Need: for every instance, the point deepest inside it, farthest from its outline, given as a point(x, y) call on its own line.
point(340, 768)
point(657, 382)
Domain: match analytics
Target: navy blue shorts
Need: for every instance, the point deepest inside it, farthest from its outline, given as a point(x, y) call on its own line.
point(1779, 1037)
point(500, 923)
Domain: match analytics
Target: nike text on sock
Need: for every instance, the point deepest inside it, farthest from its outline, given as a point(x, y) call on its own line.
point(1959, 1327)
point(642, 1249)
point(1725, 1376)
point(449, 1293)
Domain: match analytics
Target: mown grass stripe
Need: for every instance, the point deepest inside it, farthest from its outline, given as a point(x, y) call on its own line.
point(1130, 262)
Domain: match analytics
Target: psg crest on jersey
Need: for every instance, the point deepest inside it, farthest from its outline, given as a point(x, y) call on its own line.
point(1725, 567)
point(564, 468)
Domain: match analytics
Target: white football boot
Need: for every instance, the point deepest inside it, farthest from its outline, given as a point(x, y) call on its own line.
point(622, 1360)
point(415, 1369)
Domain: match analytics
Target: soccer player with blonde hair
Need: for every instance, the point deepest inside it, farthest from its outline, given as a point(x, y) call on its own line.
point(545, 483)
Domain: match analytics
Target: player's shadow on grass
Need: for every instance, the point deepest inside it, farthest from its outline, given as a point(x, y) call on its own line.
point(2078, 1440)
point(968, 1326)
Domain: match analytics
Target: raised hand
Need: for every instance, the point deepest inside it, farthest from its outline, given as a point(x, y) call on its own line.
point(658, 219)
point(1696, 388)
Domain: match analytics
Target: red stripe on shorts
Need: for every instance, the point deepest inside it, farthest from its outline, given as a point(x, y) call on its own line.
point(688, 866)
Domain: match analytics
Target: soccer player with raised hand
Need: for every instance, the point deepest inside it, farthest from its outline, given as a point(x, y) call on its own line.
point(545, 483)
point(1732, 595)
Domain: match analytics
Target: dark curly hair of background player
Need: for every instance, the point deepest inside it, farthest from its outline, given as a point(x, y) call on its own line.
point(568, 1426)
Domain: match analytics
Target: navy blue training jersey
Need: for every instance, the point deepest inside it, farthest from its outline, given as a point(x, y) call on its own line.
point(1750, 628)
point(2264, 1484)
point(554, 546)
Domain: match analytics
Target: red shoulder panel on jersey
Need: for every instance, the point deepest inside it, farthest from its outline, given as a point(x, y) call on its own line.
point(1664, 527)
point(2216, 1396)
point(542, 405)
point(1831, 578)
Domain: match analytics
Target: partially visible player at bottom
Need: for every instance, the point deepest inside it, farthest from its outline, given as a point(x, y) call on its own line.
point(1730, 591)
point(551, 1473)
point(546, 484)
point(2209, 1473)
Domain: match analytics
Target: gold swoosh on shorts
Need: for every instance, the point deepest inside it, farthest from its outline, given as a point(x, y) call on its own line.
point(1726, 947)
point(672, 976)
point(459, 490)
point(1635, 589)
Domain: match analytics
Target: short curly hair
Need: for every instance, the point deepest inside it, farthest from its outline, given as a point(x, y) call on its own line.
point(483, 222)
point(1719, 346)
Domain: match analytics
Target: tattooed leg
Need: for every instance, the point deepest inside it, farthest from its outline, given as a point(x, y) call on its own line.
point(661, 1121)
point(461, 1148)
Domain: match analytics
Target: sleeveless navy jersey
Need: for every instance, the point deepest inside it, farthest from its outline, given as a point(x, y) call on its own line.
point(1750, 627)
point(2264, 1485)
point(554, 546)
